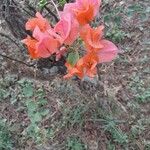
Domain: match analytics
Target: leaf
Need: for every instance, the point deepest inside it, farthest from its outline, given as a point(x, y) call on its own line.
point(42, 3)
point(36, 117)
point(28, 90)
point(72, 58)
point(42, 102)
point(32, 106)
point(44, 112)
point(3, 94)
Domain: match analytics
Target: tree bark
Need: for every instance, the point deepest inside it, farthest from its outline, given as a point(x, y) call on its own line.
point(15, 17)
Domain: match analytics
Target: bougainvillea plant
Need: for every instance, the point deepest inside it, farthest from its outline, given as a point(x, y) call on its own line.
point(73, 26)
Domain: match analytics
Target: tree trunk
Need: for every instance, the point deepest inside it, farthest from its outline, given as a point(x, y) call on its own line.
point(15, 16)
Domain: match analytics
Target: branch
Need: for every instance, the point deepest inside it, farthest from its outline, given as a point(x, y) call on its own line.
point(8, 37)
point(49, 11)
point(19, 61)
point(55, 7)
point(56, 19)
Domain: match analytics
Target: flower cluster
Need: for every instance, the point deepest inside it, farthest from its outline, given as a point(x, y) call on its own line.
point(73, 24)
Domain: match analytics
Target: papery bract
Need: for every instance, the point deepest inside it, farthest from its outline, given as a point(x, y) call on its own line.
point(46, 45)
point(92, 37)
point(86, 66)
point(104, 49)
point(95, 3)
point(86, 10)
point(68, 9)
point(31, 45)
point(71, 71)
point(108, 52)
point(89, 64)
point(67, 28)
point(39, 21)
point(83, 10)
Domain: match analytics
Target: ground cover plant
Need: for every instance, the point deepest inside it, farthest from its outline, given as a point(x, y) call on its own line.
point(40, 110)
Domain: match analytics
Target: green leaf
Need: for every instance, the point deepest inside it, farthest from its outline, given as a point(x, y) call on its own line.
point(73, 57)
point(36, 117)
point(62, 2)
point(42, 102)
point(28, 91)
point(3, 94)
point(32, 106)
point(44, 112)
point(42, 3)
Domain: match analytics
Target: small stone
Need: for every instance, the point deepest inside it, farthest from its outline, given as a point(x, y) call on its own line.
point(94, 80)
point(54, 70)
point(46, 71)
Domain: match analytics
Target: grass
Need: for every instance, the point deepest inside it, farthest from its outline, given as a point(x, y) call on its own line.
point(116, 133)
point(74, 115)
point(5, 136)
point(141, 93)
point(35, 103)
point(74, 143)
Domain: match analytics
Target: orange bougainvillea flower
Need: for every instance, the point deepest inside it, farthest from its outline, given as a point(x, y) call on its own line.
point(86, 10)
point(88, 63)
point(104, 49)
point(31, 45)
point(46, 45)
point(72, 70)
point(83, 10)
point(86, 15)
point(86, 66)
point(39, 21)
point(92, 37)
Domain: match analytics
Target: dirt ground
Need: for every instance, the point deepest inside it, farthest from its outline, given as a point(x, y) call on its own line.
point(40, 110)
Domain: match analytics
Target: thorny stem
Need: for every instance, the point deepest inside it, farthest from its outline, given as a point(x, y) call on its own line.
point(55, 8)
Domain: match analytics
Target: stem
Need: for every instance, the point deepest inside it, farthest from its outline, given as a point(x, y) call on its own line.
point(7, 36)
point(56, 19)
point(56, 8)
point(19, 61)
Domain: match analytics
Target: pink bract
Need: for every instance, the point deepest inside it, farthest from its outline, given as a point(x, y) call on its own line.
point(46, 45)
point(108, 52)
point(67, 28)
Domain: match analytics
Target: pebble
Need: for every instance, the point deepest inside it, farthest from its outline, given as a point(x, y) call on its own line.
point(54, 70)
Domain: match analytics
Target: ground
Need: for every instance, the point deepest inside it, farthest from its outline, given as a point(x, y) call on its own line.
point(40, 110)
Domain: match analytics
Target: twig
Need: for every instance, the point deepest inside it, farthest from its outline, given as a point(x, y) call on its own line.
point(19, 61)
point(56, 19)
point(8, 37)
point(56, 8)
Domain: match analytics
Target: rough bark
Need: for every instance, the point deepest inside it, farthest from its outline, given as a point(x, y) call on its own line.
point(15, 17)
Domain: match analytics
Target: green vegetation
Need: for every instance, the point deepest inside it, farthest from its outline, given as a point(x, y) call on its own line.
point(74, 143)
point(62, 2)
point(116, 133)
point(5, 136)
